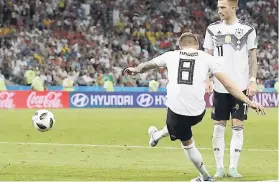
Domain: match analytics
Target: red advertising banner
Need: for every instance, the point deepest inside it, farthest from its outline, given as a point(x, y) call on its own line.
point(33, 99)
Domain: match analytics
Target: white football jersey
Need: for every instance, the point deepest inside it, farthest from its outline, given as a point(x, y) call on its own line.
point(232, 44)
point(187, 74)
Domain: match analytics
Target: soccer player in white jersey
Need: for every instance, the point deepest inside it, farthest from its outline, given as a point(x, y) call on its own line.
point(234, 41)
point(187, 73)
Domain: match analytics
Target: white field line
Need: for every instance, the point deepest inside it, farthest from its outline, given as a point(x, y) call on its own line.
point(145, 181)
point(119, 146)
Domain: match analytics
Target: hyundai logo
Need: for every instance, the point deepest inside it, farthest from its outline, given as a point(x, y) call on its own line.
point(145, 100)
point(79, 100)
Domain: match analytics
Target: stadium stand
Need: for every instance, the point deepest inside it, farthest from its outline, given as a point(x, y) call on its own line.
point(90, 41)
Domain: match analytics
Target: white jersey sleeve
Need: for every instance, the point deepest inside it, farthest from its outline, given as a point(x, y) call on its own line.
point(162, 59)
point(252, 40)
point(208, 42)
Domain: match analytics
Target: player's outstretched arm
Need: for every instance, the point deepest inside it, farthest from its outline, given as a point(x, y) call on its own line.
point(141, 68)
point(209, 85)
point(236, 92)
point(253, 63)
point(253, 69)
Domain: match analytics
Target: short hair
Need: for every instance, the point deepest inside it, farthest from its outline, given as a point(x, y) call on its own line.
point(234, 2)
point(188, 39)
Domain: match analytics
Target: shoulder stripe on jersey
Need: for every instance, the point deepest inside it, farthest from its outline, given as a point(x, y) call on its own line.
point(235, 42)
point(210, 32)
point(246, 35)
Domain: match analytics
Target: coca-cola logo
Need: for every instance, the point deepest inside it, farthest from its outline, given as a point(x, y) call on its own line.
point(49, 100)
point(7, 100)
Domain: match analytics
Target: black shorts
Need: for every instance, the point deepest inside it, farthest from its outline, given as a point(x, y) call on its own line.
point(226, 105)
point(179, 126)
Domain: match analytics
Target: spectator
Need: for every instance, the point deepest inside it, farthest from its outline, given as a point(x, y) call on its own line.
point(37, 83)
point(108, 85)
point(29, 76)
point(89, 38)
point(68, 83)
point(276, 86)
point(153, 86)
point(2, 82)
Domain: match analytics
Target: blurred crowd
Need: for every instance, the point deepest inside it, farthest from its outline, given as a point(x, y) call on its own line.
point(90, 41)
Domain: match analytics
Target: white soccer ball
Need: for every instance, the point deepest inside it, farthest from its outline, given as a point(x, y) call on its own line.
point(43, 120)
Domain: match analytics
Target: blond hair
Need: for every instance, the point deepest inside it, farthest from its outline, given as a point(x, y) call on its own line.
point(233, 3)
point(188, 39)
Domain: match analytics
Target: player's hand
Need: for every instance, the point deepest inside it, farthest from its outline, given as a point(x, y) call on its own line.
point(257, 107)
point(130, 71)
point(208, 87)
point(251, 89)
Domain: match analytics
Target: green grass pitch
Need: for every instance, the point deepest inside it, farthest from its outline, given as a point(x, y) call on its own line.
point(112, 144)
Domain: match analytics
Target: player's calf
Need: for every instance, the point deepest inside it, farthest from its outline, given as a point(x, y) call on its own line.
point(235, 147)
point(218, 142)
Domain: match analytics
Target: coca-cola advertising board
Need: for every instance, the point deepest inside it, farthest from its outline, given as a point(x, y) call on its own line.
point(33, 99)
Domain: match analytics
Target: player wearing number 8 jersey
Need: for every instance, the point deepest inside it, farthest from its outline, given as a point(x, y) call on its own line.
point(233, 41)
point(187, 73)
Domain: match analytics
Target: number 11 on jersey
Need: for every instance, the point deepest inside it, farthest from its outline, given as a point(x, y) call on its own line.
point(220, 50)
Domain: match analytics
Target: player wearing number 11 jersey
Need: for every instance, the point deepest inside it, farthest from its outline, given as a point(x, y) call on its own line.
point(187, 73)
point(234, 42)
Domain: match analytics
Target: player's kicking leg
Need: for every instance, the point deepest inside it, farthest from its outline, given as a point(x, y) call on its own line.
point(239, 114)
point(220, 115)
point(155, 135)
point(180, 128)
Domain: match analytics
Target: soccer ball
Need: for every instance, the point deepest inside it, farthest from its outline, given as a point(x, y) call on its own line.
point(43, 120)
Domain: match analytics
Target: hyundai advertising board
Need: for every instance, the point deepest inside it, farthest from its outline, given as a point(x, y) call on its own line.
point(114, 99)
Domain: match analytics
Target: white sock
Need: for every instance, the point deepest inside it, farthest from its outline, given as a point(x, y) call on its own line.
point(161, 133)
point(194, 155)
point(236, 145)
point(218, 142)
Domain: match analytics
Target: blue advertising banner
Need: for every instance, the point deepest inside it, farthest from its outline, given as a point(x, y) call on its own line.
point(145, 99)
point(117, 99)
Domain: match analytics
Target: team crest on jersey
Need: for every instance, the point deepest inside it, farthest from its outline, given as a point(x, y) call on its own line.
point(239, 32)
point(236, 107)
point(228, 39)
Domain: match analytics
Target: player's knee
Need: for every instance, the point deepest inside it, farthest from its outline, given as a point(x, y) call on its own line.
point(187, 143)
point(236, 122)
point(237, 127)
point(220, 123)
